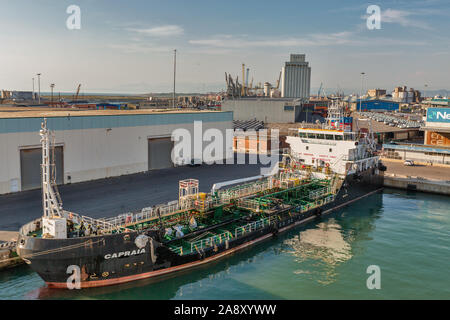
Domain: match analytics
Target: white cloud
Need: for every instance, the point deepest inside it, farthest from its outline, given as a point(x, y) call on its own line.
point(313, 40)
point(160, 31)
point(140, 48)
point(242, 41)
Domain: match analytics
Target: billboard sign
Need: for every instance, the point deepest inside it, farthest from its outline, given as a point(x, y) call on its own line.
point(438, 115)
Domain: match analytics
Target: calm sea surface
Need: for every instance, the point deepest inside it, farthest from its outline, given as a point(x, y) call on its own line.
point(406, 234)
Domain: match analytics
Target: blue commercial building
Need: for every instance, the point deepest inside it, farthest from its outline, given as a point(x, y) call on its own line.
point(378, 105)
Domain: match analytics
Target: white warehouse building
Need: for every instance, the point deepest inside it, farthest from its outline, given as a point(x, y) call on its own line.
point(95, 144)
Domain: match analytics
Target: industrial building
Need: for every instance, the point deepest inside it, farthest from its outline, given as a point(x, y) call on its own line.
point(94, 144)
point(403, 95)
point(267, 103)
point(253, 142)
point(376, 93)
point(269, 110)
point(372, 105)
point(436, 147)
point(437, 127)
point(17, 95)
point(436, 102)
point(417, 152)
point(296, 78)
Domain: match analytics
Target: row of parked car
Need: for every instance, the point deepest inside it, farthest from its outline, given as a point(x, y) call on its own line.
point(392, 121)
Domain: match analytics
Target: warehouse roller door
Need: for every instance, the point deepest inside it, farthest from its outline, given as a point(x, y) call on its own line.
point(159, 153)
point(30, 167)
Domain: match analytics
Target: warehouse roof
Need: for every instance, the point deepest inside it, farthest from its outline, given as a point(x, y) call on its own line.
point(417, 147)
point(40, 112)
point(248, 125)
point(13, 121)
point(435, 129)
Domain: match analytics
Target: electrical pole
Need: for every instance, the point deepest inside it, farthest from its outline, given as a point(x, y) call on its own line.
point(39, 87)
point(174, 74)
point(360, 96)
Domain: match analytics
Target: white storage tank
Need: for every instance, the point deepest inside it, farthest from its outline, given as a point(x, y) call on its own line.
point(267, 87)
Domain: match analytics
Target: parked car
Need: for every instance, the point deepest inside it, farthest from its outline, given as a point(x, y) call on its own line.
point(408, 163)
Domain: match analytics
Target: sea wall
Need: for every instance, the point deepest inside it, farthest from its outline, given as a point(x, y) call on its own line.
point(417, 184)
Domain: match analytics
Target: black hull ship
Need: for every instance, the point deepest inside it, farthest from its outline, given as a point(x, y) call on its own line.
point(68, 250)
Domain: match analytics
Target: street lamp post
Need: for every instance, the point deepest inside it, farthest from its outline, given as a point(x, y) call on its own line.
point(360, 96)
point(174, 74)
point(51, 87)
point(39, 88)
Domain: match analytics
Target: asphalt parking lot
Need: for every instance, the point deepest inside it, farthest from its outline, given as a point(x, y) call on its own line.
point(113, 196)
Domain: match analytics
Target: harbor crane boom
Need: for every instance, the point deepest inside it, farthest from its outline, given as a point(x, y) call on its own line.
point(78, 91)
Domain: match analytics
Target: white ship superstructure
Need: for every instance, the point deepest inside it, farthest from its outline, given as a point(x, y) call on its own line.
point(334, 145)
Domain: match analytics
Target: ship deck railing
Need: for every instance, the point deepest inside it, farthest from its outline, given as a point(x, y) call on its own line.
point(210, 241)
point(145, 214)
point(8, 245)
point(104, 226)
point(253, 226)
point(315, 194)
point(226, 235)
point(177, 250)
point(244, 190)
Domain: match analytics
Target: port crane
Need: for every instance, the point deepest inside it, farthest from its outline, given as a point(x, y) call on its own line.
point(278, 81)
point(78, 91)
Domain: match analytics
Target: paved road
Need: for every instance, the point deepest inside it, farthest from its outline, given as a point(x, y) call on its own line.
point(113, 196)
point(427, 172)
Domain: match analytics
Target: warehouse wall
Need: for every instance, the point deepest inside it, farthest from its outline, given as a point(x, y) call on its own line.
point(91, 153)
point(266, 110)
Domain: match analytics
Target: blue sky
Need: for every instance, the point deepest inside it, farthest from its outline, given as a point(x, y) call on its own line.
point(127, 46)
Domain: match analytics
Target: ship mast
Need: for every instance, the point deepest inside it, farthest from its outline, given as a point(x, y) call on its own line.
point(51, 203)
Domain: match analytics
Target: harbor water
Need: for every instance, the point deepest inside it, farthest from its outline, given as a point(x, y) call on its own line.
point(405, 234)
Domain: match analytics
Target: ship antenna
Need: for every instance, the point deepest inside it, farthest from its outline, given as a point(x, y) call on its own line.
point(50, 198)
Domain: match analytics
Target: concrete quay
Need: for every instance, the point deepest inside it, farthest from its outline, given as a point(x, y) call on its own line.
point(420, 177)
point(417, 184)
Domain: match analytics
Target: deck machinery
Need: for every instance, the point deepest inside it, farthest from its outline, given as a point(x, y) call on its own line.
point(185, 225)
point(233, 211)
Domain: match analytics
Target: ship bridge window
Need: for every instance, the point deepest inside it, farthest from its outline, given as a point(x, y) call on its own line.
point(338, 137)
point(348, 137)
point(311, 135)
point(329, 137)
point(320, 136)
